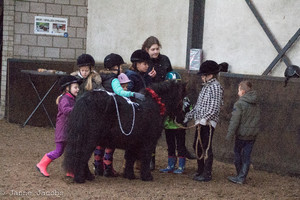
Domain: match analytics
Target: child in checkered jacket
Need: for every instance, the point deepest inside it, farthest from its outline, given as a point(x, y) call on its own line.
point(206, 113)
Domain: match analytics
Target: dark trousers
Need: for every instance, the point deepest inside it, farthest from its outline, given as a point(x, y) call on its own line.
point(176, 138)
point(242, 153)
point(204, 166)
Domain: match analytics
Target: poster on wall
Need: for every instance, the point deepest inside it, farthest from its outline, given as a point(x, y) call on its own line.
point(50, 26)
point(195, 59)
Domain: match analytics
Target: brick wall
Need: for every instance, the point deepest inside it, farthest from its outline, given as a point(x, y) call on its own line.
point(19, 40)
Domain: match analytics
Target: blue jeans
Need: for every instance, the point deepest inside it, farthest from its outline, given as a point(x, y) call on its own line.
point(242, 153)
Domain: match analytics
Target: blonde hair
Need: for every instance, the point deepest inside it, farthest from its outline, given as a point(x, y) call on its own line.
point(94, 76)
point(89, 82)
point(245, 85)
point(58, 98)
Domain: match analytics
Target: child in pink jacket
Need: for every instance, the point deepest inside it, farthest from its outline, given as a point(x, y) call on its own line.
point(69, 86)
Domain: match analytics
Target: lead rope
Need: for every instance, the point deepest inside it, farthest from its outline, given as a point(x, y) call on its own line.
point(198, 140)
point(205, 155)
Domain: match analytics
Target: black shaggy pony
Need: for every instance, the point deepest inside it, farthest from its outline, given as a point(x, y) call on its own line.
point(97, 120)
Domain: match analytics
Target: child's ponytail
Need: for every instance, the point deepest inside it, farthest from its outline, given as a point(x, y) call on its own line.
point(89, 82)
point(93, 78)
point(58, 98)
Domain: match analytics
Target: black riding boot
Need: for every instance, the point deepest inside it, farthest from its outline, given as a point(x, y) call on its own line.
point(200, 169)
point(206, 165)
point(206, 175)
point(241, 177)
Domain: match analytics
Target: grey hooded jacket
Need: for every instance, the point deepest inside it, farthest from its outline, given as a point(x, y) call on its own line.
point(245, 119)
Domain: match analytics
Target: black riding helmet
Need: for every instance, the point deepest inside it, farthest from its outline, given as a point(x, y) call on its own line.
point(112, 60)
point(139, 56)
point(66, 81)
point(291, 71)
point(209, 67)
point(223, 67)
point(85, 60)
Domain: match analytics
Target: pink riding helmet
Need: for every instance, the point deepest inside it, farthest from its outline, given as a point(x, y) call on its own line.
point(123, 78)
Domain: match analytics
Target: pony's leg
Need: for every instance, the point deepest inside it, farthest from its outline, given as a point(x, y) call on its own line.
point(89, 176)
point(130, 158)
point(80, 174)
point(146, 156)
point(84, 172)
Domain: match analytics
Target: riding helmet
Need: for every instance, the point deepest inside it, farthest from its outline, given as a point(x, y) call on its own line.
point(173, 75)
point(85, 60)
point(123, 78)
point(139, 56)
point(292, 71)
point(209, 67)
point(68, 80)
point(112, 60)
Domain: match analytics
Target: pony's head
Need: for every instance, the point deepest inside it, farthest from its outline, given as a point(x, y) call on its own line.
point(171, 93)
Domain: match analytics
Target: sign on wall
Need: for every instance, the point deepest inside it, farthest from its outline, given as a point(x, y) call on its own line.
point(195, 59)
point(50, 26)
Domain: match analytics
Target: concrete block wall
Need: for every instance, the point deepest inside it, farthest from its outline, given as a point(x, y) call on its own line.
point(20, 42)
point(277, 148)
point(7, 47)
point(28, 45)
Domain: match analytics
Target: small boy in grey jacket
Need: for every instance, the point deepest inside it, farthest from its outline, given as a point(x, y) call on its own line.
point(244, 125)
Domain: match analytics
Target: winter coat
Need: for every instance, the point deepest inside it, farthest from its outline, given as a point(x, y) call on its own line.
point(245, 119)
point(107, 79)
point(208, 104)
point(112, 84)
point(170, 123)
point(162, 66)
point(65, 106)
point(96, 82)
point(138, 80)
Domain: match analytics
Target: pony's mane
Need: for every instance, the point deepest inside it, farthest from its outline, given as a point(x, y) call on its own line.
point(163, 87)
point(172, 93)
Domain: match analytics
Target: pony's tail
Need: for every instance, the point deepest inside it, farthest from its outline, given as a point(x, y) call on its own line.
point(76, 136)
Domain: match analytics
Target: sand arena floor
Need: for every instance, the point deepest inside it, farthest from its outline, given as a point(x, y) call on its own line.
point(22, 148)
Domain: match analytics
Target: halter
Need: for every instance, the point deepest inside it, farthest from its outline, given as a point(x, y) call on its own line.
point(155, 96)
point(117, 109)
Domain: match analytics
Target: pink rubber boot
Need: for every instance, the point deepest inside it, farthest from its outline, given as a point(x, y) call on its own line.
point(43, 164)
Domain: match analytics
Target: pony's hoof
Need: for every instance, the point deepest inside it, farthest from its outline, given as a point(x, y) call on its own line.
point(79, 180)
point(147, 178)
point(129, 176)
point(90, 177)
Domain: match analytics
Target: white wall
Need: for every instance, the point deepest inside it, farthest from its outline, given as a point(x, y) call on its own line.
point(232, 34)
point(122, 26)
